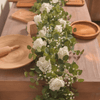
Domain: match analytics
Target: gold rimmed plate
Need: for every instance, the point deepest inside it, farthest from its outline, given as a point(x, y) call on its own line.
point(85, 29)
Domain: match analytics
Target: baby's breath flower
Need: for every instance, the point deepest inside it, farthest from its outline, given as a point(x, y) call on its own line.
point(55, 64)
point(57, 70)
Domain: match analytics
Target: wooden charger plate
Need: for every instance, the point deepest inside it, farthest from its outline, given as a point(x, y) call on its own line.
point(18, 57)
point(85, 29)
point(75, 3)
point(26, 3)
point(23, 15)
point(13, 0)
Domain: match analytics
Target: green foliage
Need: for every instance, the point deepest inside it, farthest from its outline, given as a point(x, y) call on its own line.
point(74, 29)
point(30, 56)
point(55, 40)
point(33, 87)
point(31, 73)
point(80, 80)
point(37, 83)
point(32, 80)
point(26, 74)
point(29, 47)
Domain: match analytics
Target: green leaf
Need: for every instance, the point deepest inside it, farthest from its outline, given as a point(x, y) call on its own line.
point(37, 97)
point(52, 50)
point(53, 44)
point(34, 56)
point(74, 29)
point(61, 68)
point(34, 38)
point(26, 74)
point(32, 80)
point(74, 72)
point(33, 51)
point(82, 52)
point(60, 61)
point(71, 71)
point(32, 68)
point(77, 52)
point(30, 56)
point(60, 73)
point(38, 70)
point(80, 80)
point(44, 90)
point(56, 36)
point(54, 94)
point(37, 83)
point(47, 57)
point(65, 58)
point(79, 72)
point(54, 68)
point(52, 60)
point(39, 49)
point(29, 47)
point(31, 73)
point(46, 50)
point(32, 86)
point(74, 65)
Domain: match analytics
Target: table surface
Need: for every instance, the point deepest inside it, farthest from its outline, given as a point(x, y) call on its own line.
point(89, 62)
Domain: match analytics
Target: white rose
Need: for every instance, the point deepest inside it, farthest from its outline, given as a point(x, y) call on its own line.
point(46, 6)
point(39, 43)
point(56, 83)
point(62, 52)
point(37, 19)
point(42, 32)
point(63, 22)
point(44, 65)
point(54, 1)
point(58, 28)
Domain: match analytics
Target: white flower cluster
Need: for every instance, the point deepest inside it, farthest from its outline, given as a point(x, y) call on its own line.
point(62, 22)
point(58, 28)
point(62, 52)
point(54, 1)
point(42, 32)
point(44, 65)
point(46, 6)
point(37, 19)
point(56, 83)
point(39, 43)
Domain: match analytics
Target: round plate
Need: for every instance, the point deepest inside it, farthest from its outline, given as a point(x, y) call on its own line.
point(18, 57)
point(85, 29)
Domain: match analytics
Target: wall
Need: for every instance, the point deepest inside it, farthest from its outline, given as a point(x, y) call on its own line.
point(4, 10)
point(94, 9)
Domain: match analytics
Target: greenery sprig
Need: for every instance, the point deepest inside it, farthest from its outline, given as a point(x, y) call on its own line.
point(51, 49)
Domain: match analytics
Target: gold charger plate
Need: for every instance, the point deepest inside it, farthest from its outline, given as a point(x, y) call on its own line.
point(18, 57)
point(85, 29)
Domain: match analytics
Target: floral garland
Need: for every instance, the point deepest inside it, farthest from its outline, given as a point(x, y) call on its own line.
point(51, 49)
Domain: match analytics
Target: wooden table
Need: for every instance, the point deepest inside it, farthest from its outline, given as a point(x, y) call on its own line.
point(13, 84)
